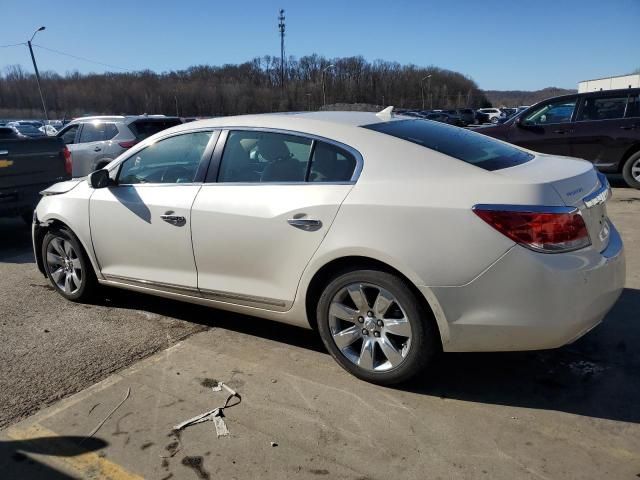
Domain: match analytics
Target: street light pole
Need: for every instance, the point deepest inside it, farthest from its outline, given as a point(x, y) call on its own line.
point(35, 67)
point(324, 96)
point(422, 88)
point(430, 96)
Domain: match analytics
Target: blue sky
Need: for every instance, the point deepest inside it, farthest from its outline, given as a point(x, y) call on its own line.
point(501, 44)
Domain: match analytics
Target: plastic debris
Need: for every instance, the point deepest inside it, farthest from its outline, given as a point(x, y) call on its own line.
point(216, 415)
point(95, 430)
point(274, 444)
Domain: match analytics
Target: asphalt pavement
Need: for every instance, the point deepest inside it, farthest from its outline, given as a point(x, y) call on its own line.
point(567, 413)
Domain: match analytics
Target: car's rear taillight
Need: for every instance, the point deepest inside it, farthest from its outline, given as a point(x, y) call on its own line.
point(68, 166)
point(128, 143)
point(543, 229)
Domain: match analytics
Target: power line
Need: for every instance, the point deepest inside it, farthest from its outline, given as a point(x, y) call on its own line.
point(81, 58)
point(13, 45)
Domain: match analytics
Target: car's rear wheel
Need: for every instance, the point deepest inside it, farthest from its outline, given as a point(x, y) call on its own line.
point(375, 327)
point(631, 170)
point(67, 265)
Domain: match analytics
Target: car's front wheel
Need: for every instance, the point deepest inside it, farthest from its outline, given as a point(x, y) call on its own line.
point(67, 265)
point(375, 327)
point(631, 170)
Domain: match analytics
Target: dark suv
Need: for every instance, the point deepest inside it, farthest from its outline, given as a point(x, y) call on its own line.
point(602, 127)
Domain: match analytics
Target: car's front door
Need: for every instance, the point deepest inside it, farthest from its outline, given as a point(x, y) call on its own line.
point(258, 221)
point(141, 225)
point(602, 133)
point(546, 129)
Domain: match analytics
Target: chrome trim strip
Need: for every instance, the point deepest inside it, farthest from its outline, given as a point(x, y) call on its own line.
point(225, 296)
point(524, 208)
point(209, 294)
point(351, 150)
point(601, 195)
point(169, 287)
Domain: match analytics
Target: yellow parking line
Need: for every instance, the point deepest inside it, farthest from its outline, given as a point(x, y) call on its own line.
point(85, 465)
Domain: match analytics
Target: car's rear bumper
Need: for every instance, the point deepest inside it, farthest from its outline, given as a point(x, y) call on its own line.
point(533, 301)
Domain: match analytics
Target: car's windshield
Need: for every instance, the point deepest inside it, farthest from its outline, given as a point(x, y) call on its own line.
point(470, 147)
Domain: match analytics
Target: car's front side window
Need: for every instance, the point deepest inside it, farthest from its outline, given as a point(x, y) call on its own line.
point(264, 157)
point(171, 160)
point(555, 112)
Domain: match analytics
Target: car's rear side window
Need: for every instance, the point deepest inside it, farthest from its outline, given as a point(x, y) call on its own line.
point(330, 163)
point(96, 132)
point(470, 147)
point(633, 107)
point(146, 127)
point(603, 108)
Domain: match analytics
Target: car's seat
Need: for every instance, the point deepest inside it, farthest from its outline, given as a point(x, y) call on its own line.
point(237, 163)
point(282, 167)
point(326, 166)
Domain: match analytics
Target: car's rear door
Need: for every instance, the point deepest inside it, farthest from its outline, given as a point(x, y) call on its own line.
point(89, 147)
point(602, 133)
point(268, 202)
point(141, 225)
point(546, 128)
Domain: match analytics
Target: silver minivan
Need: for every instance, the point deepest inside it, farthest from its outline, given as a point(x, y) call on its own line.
point(96, 141)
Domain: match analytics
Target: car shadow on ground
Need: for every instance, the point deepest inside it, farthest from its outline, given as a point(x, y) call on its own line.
point(597, 376)
point(16, 461)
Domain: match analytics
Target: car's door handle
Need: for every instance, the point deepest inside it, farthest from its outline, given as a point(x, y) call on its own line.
point(629, 127)
point(97, 149)
point(176, 220)
point(4, 152)
point(562, 132)
point(306, 224)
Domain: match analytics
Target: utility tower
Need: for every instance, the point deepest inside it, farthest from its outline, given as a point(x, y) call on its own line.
point(281, 28)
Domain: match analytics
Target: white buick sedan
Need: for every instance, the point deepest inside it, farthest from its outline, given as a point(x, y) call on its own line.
point(393, 237)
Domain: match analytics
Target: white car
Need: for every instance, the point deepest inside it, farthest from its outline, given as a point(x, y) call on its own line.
point(491, 115)
point(393, 237)
point(48, 130)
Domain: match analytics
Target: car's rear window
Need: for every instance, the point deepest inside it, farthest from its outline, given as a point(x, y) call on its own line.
point(470, 147)
point(147, 127)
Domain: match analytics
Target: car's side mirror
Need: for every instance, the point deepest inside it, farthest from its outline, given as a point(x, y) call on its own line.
point(99, 178)
point(522, 123)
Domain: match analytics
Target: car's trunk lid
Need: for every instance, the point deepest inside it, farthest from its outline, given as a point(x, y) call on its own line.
point(578, 185)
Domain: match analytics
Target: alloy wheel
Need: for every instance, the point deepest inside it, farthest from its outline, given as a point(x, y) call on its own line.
point(635, 170)
point(370, 327)
point(64, 265)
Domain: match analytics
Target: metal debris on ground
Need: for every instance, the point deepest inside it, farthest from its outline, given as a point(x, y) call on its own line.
point(216, 415)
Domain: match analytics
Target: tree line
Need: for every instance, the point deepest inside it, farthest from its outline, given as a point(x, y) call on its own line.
point(252, 87)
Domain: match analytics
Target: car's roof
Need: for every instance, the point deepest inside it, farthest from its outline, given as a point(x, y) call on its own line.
point(297, 119)
point(617, 91)
point(115, 118)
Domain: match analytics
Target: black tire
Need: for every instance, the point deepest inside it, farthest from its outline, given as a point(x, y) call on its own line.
point(88, 282)
point(424, 340)
point(632, 161)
